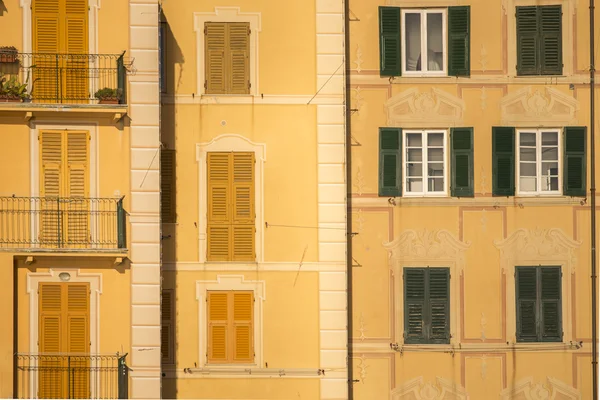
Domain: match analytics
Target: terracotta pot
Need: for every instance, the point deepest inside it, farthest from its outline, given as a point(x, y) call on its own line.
point(109, 100)
point(9, 99)
point(7, 58)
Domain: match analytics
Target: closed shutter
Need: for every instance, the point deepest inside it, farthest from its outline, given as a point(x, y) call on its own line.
point(439, 305)
point(167, 328)
point(242, 326)
point(574, 175)
point(550, 304)
point(215, 36)
point(414, 305)
point(167, 185)
point(390, 162)
point(238, 75)
point(76, 41)
point(503, 161)
point(526, 295)
point(462, 162)
point(219, 207)
point(218, 310)
point(51, 384)
point(51, 186)
point(243, 228)
point(77, 213)
point(46, 43)
point(459, 41)
point(78, 339)
point(550, 25)
point(389, 41)
point(528, 46)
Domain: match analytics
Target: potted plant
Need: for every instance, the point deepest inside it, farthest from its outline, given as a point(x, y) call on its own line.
point(8, 54)
point(108, 96)
point(13, 91)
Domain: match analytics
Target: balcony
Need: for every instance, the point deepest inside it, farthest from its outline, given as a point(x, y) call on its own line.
point(71, 376)
point(59, 224)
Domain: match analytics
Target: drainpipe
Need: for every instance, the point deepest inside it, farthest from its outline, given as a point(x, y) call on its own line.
point(593, 207)
point(15, 326)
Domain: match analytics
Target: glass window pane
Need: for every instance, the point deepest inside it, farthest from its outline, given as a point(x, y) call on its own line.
point(435, 169)
point(528, 184)
point(435, 139)
point(414, 185)
point(414, 155)
point(550, 153)
point(435, 154)
point(549, 139)
point(435, 46)
point(527, 154)
point(412, 40)
point(528, 169)
point(527, 138)
point(414, 169)
point(413, 140)
point(549, 169)
point(435, 185)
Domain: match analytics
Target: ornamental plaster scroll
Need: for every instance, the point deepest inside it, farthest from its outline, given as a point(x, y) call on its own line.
point(538, 244)
point(436, 108)
point(548, 107)
point(552, 389)
point(441, 389)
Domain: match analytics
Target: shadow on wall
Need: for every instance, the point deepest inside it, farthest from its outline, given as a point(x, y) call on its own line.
point(3, 8)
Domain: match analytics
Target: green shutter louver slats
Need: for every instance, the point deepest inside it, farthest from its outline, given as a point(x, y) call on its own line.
point(503, 161)
point(389, 41)
point(459, 41)
point(574, 180)
point(528, 51)
point(526, 296)
point(550, 313)
point(415, 304)
point(439, 305)
point(390, 162)
point(550, 25)
point(462, 162)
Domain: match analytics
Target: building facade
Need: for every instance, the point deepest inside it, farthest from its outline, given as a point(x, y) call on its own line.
point(470, 199)
point(79, 199)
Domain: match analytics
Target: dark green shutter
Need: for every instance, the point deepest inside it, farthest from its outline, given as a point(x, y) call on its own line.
point(526, 296)
point(574, 175)
point(528, 51)
point(414, 305)
point(459, 41)
point(439, 305)
point(462, 162)
point(550, 304)
point(389, 41)
point(550, 23)
point(390, 162)
point(503, 161)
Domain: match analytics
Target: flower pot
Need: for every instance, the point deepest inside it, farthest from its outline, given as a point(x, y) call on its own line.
point(8, 57)
point(9, 99)
point(108, 100)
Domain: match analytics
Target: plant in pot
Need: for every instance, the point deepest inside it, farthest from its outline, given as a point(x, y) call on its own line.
point(8, 54)
point(109, 96)
point(13, 91)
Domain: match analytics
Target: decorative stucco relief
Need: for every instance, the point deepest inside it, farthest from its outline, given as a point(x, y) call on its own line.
point(358, 60)
point(418, 389)
point(544, 108)
point(552, 389)
point(435, 108)
point(358, 99)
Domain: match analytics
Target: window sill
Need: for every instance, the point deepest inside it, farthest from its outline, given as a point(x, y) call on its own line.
point(410, 75)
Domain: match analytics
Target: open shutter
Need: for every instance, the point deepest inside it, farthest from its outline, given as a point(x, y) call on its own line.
point(167, 185)
point(51, 186)
point(550, 312)
point(528, 42)
point(462, 162)
point(215, 35)
point(389, 41)
point(243, 207)
point(459, 41)
point(78, 338)
point(238, 76)
point(50, 336)
point(574, 175)
point(550, 24)
point(46, 42)
point(217, 327)
point(242, 327)
point(414, 305)
point(439, 305)
point(77, 209)
point(503, 161)
point(166, 332)
point(76, 41)
point(219, 209)
point(390, 162)
point(526, 295)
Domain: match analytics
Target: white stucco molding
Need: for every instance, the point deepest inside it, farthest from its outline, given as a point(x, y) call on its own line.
point(529, 389)
point(230, 282)
point(529, 107)
point(418, 389)
point(234, 143)
point(434, 109)
point(227, 14)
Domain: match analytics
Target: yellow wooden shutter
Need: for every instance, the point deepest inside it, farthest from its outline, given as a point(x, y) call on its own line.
point(77, 214)
point(238, 53)
point(46, 43)
point(215, 36)
point(78, 338)
point(50, 338)
point(76, 42)
point(218, 310)
point(243, 327)
point(51, 186)
point(243, 207)
point(219, 210)
point(167, 185)
point(166, 333)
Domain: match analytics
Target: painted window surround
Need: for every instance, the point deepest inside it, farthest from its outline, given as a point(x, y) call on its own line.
point(230, 282)
point(227, 14)
point(560, 135)
point(405, 192)
point(423, 12)
point(235, 143)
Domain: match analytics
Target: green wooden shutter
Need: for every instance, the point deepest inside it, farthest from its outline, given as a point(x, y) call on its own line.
point(414, 305)
point(526, 296)
point(550, 312)
point(462, 162)
point(550, 24)
point(503, 161)
point(389, 41)
point(439, 305)
point(390, 162)
point(528, 43)
point(459, 41)
point(574, 175)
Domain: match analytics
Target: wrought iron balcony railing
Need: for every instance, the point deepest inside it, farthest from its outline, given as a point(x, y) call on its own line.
point(71, 376)
point(66, 78)
point(62, 223)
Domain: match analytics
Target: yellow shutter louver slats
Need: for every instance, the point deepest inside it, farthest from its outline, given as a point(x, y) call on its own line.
point(243, 207)
point(52, 166)
point(219, 200)
point(215, 65)
point(50, 339)
point(218, 308)
point(76, 40)
point(167, 326)
point(239, 51)
point(77, 217)
point(242, 321)
point(78, 337)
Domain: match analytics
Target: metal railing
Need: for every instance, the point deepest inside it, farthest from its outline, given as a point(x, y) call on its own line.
point(66, 78)
point(71, 376)
point(62, 223)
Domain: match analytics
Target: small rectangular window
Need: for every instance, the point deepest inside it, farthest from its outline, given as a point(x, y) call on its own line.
point(538, 162)
point(425, 163)
point(227, 52)
point(424, 42)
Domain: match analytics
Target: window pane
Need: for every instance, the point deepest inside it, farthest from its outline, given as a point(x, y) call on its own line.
point(549, 139)
point(435, 139)
point(527, 139)
point(528, 184)
point(436, 184)
point(435, 169)
point(435, 47)
point(435, 155)
point(549, 176)
point(413, 140)
point(527, 154)
point(550, 153)
point(412, 34)
point(414, 185)
point(528, 169)
point(415, 155)
point(414, 169)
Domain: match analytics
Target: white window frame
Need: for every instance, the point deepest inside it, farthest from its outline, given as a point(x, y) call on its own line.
point(538, 162)
point(424, 12)
point(425, 176)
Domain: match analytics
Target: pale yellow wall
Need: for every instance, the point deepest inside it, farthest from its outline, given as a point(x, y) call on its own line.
point(275, 389)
